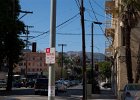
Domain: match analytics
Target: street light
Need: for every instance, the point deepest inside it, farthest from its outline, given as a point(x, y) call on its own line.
point(92, 76)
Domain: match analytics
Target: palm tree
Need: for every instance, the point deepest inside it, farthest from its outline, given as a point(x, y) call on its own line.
point(129, 16)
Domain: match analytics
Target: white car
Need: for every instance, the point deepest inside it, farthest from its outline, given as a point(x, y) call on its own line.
point(131, 92)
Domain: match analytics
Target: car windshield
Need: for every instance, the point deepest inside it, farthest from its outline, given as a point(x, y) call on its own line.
point(134, 87)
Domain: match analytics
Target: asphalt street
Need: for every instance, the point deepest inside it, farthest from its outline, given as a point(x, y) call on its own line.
point(73, 93)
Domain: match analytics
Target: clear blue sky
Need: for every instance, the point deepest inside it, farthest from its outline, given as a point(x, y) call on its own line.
point(70, 32)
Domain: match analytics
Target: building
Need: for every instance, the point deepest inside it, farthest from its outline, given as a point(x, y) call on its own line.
point(116, 48)
point(33, 63)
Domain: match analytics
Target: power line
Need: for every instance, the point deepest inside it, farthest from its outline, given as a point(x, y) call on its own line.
point(65, 33)
point(77, 3)
point(75, 34)
point(97, 19)
point(57, 26)
point(88, 10)
point(98, 4)
point(95, 16)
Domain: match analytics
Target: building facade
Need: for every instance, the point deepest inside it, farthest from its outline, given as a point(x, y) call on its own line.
point(116, 48)
point(33, 63)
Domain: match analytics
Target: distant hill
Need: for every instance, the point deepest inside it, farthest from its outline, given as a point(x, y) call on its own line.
point(97, 56)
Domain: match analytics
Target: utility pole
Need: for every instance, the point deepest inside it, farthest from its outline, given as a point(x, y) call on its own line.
point(25, 13)
point(27, 36)
point(51, 84)
point(62, 61)
point(83, 50)
point(27, 47)
point(92, 57)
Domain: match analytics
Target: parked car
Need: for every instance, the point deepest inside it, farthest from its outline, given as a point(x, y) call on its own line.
point(3, 84)
point(30, 84)
point(41, 86)
point(60, 86)
point(131, 92)
point(18, 84)
point(107, 85)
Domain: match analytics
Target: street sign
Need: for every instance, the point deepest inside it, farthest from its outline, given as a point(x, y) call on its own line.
point(50, 55)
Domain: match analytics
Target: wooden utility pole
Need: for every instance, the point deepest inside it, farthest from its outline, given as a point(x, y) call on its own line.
point(83, 50)
point(62, 59)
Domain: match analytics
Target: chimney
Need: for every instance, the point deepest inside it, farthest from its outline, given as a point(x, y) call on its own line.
point(34, 47)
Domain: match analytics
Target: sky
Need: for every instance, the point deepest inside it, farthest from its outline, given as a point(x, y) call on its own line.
point(68, 32)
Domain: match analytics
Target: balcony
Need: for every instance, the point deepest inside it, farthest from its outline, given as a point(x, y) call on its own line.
point(109, 51)
point(110, 7)
point(110, 32)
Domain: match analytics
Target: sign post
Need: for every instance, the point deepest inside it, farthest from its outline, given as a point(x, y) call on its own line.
point(50, 59)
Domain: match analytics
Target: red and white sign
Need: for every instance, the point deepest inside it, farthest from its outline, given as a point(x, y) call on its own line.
point(50, 55)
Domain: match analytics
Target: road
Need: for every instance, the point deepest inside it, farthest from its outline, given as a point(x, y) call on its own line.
point(73, 93)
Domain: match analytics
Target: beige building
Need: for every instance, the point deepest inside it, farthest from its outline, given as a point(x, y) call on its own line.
point(116, 47)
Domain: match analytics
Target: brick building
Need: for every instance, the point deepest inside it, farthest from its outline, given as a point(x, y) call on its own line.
point(33, 63)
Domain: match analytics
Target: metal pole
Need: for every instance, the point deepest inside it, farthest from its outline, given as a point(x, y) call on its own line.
point(51, 84)
point(83, 51)
point(92, 57)
point(62, 63)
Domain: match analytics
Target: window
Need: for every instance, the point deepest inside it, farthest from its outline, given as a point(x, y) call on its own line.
point(28, 69)
point(33, 69)
point(33, 58)
point(41, 64)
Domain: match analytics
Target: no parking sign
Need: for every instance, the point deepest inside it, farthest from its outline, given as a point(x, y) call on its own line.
point(50, 55)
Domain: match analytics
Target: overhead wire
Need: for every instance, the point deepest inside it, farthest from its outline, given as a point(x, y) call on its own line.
point(88, 10)
point(56, 26)
point(97, 20)
point(95, 15)
point(98, 4)
point(64, 33)
point(77, 3)
point(101, 7)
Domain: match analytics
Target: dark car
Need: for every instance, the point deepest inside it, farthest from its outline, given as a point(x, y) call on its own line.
point(41, 86)
point(18, 84)
point(107, 85)
point(30, 84)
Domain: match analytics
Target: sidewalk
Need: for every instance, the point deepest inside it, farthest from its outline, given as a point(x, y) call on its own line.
point(105, 94)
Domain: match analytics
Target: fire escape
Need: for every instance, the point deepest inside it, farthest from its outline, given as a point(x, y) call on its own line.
point(111, 11)
point(110, 26)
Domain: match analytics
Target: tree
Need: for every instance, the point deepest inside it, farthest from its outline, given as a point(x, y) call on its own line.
point(129, 17)
point(105, 69)
point(10, 29)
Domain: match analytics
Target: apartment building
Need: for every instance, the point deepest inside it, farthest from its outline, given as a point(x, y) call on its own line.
point(33, 63)
point(117, 48)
